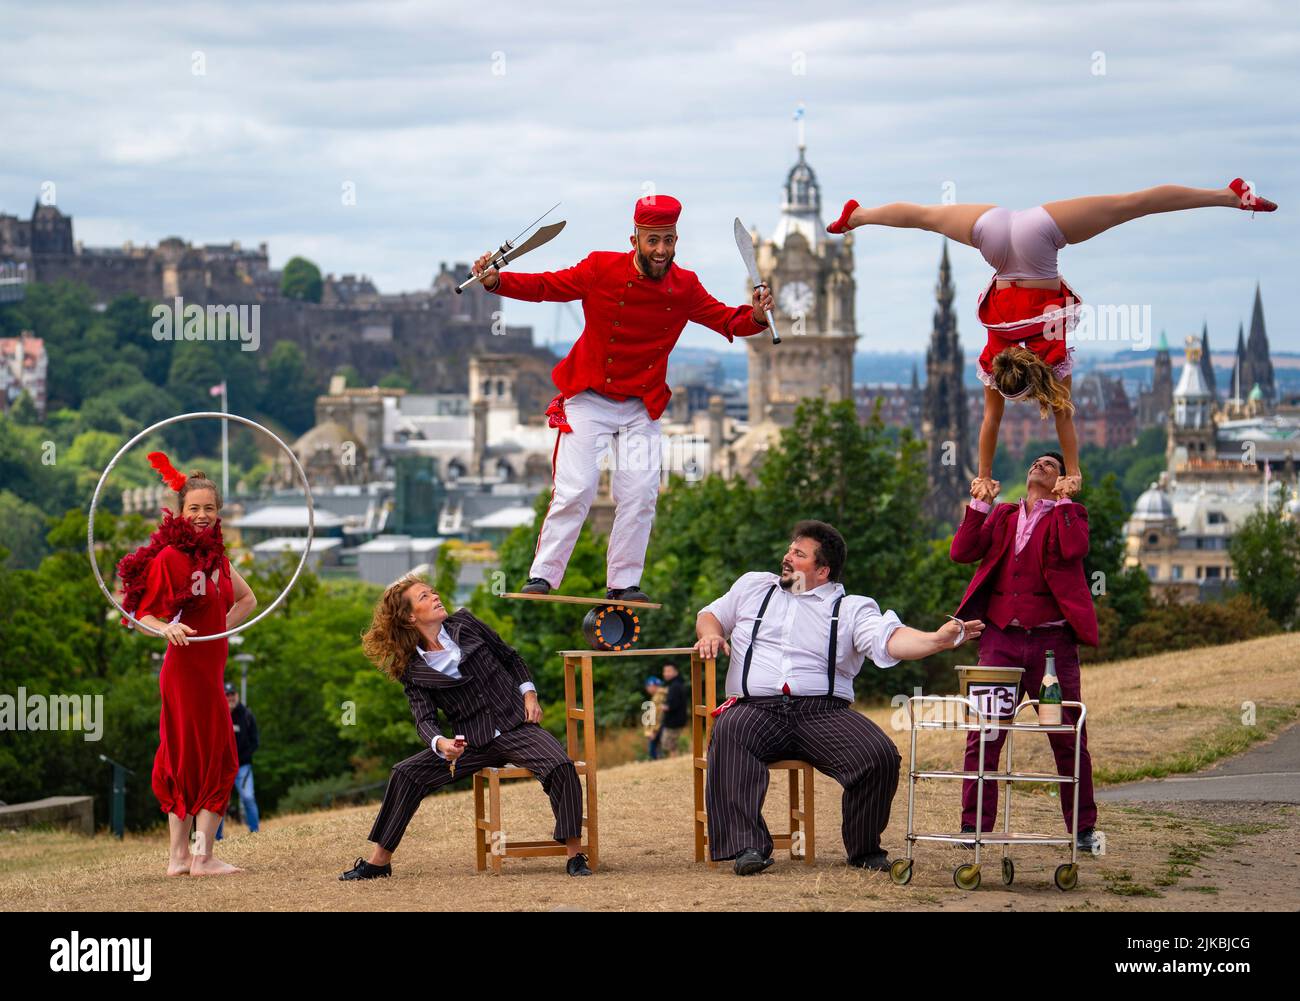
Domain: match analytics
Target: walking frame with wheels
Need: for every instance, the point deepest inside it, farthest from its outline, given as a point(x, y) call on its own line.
point(967, 875)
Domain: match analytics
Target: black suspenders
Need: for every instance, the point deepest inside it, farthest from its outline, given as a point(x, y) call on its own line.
point(830, 655)
point(749, 654)
point(835, 635)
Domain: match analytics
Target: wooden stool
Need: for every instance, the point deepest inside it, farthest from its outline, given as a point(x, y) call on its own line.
point(704, 688)
point(488, 839)
point(801, 819)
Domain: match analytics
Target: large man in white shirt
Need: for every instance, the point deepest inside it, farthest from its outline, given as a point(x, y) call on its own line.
point(794, 696)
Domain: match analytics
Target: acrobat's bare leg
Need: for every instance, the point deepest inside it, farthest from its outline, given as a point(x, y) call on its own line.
point(953, 221)
point(1083, 218)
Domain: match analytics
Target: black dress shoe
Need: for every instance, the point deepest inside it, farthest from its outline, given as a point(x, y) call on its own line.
point(750, 862)
point(536, 585)
point(633, 593)
point(1088, 841)
point(577, 865)
point(967, 829)
point(364, 870)
point(879, 861)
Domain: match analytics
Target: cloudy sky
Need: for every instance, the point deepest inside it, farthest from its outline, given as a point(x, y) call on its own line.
point(219, 121)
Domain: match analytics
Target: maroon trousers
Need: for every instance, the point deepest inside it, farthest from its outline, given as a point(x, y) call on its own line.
point(1016, 647)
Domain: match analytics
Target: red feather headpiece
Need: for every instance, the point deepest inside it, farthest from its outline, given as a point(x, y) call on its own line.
point(169, 473)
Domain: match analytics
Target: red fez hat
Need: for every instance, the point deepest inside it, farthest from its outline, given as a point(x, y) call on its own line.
point(657, 211)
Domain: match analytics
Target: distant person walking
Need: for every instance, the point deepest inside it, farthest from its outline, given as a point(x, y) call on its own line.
point(652, 714)
point(246, 742)
point(676, 712)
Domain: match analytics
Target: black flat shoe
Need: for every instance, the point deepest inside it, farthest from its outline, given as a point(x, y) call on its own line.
point(577, 865)
point(968, 845)
point(1088, 841)
point(633, 593)
point(878, 861)
point(536, 585)
point(750, 862)
point(364, 870)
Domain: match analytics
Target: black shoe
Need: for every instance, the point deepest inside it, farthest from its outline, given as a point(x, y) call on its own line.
point(577, 865)
point(536, 585)
point(364, 870)
point(750, 862)
point(633, 593)
point(879, 861)
point(967, 829)
point(1088, 841)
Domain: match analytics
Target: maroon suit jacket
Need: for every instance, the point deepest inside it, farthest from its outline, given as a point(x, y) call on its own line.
point(987, 537)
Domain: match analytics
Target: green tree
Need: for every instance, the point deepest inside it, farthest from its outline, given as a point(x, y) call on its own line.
point(22, 531)
point(132, 320)
point(396, 380)
point(24, 410)
point(290, 393)
point(301, 279)
point(1265, 553)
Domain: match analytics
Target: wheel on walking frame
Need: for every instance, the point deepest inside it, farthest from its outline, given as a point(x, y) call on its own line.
point(900, 871)
point(1067, 876)
point(1008, 870)
point(967, 876)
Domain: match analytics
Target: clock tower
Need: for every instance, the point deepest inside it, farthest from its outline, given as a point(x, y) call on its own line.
point(810, 273)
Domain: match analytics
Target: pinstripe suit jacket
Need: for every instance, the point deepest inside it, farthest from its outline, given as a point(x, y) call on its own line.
point(485, 699)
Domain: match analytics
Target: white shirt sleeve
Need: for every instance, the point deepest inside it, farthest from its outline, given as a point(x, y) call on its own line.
point(438, 752)
point(727, 608)
point(527, 687)
point(871, 632)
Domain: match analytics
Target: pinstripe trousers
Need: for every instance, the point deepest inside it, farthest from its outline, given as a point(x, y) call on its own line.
point(527, 745)
point(824, 731)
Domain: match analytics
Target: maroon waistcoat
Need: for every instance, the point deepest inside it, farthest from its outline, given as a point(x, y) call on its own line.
point(1019, 588)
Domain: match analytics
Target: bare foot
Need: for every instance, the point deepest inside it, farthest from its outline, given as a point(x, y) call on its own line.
point(180, 867)
point(211, 867)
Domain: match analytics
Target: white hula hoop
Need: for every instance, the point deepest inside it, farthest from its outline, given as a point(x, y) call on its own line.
point(94, 501)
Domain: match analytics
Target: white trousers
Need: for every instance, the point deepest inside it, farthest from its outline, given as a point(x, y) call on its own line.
point(625, 432)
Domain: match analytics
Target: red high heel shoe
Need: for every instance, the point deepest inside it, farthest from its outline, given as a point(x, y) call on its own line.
point(841, 225)
point(1250, 201)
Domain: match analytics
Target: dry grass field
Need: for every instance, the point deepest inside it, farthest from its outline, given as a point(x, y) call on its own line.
point(1149, 717)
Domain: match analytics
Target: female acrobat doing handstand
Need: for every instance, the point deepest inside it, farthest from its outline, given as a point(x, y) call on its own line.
point(1027, 307)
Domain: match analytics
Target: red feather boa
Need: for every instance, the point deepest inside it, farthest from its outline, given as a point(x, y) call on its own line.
point(205, 549)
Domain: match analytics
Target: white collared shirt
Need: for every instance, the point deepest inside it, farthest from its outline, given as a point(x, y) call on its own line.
point(794, 639)
point(447, 661)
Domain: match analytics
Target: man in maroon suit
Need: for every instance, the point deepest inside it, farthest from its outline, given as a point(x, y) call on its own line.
point(1032, 594)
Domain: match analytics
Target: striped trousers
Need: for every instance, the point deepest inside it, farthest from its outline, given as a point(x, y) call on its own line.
point(827, 733)
point(527, 745)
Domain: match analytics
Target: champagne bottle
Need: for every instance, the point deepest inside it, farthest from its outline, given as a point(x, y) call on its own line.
point(1049, 695)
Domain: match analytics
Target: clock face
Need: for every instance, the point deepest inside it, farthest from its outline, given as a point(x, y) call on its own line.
point(797, 299)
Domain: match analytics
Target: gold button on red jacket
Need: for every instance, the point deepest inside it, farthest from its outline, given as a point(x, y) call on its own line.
point(616, 297)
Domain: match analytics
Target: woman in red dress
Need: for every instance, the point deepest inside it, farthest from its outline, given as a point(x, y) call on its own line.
point(183, 585)
point(1027, 308)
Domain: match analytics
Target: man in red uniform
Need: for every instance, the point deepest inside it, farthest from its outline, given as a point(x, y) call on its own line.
point(613, 385)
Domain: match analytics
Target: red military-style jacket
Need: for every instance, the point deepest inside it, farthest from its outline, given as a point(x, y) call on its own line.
point(632, 323)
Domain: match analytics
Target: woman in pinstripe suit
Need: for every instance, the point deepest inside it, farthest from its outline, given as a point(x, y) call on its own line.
point(458, 664)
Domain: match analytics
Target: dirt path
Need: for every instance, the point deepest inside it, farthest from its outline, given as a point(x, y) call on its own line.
point(1156, 859)
point(1171, 713)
